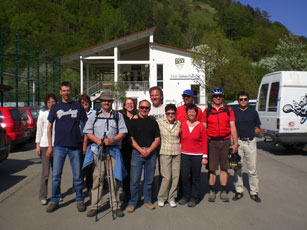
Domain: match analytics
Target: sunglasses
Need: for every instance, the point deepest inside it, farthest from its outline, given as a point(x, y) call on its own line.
point(243, 99)
point(109, 101)
point(217, 95)
point(185, 95)
point(170, 113)
point(144, 107)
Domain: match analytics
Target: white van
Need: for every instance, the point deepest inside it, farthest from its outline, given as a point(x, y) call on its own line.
point(282, 107)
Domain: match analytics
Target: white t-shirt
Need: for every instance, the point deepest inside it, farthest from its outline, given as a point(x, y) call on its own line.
point(157, 112)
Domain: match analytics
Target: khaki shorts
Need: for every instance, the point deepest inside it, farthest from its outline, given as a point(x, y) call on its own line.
point(218, 154)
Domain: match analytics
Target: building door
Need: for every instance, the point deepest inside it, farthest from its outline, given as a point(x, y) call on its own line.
point(195, 89)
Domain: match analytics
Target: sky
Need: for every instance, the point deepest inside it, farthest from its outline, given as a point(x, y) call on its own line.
point(291, 13)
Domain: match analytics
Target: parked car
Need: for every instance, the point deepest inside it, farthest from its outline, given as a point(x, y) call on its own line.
point(3, 144)
point(31, 114)
point(15, 125)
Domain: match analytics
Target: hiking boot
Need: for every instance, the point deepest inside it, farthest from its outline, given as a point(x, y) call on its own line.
point(224, 196)
point(256, 198)
point(149, 206)
point(130, 208)
point(52, 207)
point(119, 213)
point(212, 196)
point(237, 196)
point(81, 207)
point(192, 203)
point(92, 212)
point(183, 201)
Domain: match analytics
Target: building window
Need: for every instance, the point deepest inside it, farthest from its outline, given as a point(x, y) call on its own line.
point(160, 76)
point(262, 97)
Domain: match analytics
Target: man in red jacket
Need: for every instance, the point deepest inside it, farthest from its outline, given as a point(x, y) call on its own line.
point(181, 114)
point(220, 123)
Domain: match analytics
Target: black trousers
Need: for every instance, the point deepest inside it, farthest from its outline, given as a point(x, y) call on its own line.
point(190, 170)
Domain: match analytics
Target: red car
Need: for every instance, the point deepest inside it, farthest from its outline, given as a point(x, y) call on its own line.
point(15, 125)
point(31, 114)
point(3, 144)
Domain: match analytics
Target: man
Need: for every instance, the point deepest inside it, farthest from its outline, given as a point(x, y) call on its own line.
point(220, 123)
point(105, 128)
point(145, 137)
point(188, 99)
point(157, 111)
point(156, 97)
point(248, 125)
point(67, 116)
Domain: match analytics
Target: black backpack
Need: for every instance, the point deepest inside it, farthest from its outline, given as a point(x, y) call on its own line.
point(114, 115)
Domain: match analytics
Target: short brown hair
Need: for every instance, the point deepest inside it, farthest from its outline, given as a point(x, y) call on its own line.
point(48, 96)
point(85, 97)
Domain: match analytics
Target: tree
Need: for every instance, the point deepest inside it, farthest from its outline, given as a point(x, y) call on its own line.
point(291, 54)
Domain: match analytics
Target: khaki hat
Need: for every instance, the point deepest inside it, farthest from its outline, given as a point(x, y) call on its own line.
point(106, 95)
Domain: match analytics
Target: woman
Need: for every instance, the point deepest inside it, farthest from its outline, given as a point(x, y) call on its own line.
point(86, 102)
point(42, 146)
point(129, 113)
point(194, 154)
point(169, 156)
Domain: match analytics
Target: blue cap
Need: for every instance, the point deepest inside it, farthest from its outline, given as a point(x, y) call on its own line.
point(188, 92)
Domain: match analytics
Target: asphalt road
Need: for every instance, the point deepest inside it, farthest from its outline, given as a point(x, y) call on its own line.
point(283, 190)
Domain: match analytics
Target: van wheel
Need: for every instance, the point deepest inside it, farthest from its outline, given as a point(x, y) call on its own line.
point(9, 144)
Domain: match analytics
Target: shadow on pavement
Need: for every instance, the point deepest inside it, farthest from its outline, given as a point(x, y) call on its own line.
point(279, 150)
point(7, 170)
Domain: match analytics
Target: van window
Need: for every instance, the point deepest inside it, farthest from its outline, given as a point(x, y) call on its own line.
point(273, 97)
point(34, 113)
point(1, 117)
point(15, 115)
point(262, 97)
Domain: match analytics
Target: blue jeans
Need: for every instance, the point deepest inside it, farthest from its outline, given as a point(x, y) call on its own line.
point(137, 164)
point(59, 155)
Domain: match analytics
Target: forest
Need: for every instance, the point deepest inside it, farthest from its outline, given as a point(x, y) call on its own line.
point(238, 43)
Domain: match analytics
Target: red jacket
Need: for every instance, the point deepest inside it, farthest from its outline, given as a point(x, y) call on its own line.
point(181, 114)
point(195, 142)
point(218, 123)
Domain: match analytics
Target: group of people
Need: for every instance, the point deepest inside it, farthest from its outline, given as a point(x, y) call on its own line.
point(162, 141)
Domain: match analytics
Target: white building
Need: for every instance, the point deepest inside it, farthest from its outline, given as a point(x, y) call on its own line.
point(139, 63)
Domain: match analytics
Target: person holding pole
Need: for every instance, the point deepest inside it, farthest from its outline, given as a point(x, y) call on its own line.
point(106, 128)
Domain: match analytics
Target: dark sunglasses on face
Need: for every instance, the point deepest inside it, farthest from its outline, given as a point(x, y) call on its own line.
point(188, 96)
point(243, 99)
point(144, 107)
point(170, 113)
point(109, 101)
point(217, 95)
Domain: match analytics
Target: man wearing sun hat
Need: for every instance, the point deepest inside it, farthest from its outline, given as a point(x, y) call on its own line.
point(188, 99)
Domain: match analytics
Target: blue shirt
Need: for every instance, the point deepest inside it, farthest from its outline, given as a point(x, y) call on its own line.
point(246, 122)
point(67, 117)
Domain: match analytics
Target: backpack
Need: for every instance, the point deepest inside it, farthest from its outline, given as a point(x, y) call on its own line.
point(210, 108)
point(114, 115)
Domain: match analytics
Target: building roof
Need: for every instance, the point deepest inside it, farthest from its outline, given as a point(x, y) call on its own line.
point(106, 48)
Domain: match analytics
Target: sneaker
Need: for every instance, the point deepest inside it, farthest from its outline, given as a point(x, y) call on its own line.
point(119, 213)
point(192, 204)
point(173, 204)
point(92, 212)
point(183, 201)
point(224, 196)
point(160, 203)
point(44, 201)
point(256, 198)
point(212, 196)
point(237, 196)
point(130, 208)
point(81, 207)
point(149, 206)
point(52, 207)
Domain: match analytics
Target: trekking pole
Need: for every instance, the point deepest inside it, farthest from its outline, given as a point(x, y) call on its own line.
point(113, 180)
point(100, 157)
point(109, 162)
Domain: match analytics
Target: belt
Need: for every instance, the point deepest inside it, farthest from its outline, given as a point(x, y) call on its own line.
point(246, 138)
